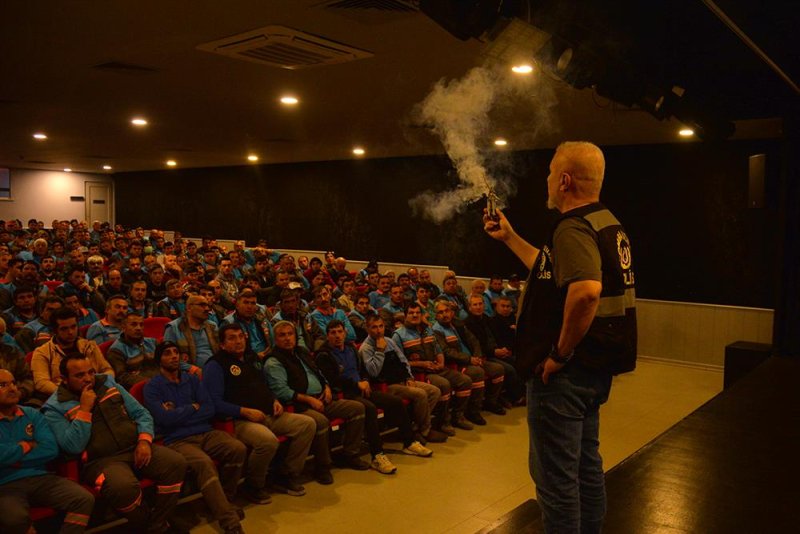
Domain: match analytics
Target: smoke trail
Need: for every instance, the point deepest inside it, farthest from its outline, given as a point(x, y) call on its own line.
point(459, 114)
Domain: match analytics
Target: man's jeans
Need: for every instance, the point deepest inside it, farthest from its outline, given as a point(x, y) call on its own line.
point(564, 461)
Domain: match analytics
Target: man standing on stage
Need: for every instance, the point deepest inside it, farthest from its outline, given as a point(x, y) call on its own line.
point(576, 329)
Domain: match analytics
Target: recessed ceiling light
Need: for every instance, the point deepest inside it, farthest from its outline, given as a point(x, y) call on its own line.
point(40, 136)
point(171, 163)
point(522, 69)
point(252, 157)
point(138, 121)
point(106, 167)
point(686, 132)
point(358, 151)
point(500, 142)
point(67, 169)
point(289, 100)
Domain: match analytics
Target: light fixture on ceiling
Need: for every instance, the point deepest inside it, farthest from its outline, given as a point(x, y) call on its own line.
point(107, 167)
point(252, 157)
point(686, 132)
point(289, 100)
point(522, 69)
point(358, 151)
point(67, 169)
point(171, 163)
point(500, 142)
point(40, 136)
point(138, 121)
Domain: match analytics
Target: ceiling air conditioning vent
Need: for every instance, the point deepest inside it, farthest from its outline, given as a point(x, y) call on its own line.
point(287, 48)
point(379, 5)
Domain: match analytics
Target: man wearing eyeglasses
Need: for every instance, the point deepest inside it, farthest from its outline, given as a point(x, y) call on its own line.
point(195, 336)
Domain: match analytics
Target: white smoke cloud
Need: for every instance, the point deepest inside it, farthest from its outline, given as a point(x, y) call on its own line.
point(458, 111)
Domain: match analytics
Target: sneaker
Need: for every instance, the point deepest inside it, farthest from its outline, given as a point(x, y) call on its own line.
point(494, 407)
point(381, 464)
point(417, 449)
point(462, 423)
point(323, 475)
point(286, 484)
point(435, 436)
point(448, 430)
point(476, 418)
point(256, 495)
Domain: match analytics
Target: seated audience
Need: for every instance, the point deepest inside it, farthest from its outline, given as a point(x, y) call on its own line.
point(173, 305)
point(238, 390)
point(92, 416)
point(194, 335)
point(462, 348)
point(110, 326)
point(293, 377)
point(254, 322)
point(37, 332)
point(182, 410)
point(132, 355)
point(324, 313)
point(345, 373)
point(65, 341)
point(27, 445)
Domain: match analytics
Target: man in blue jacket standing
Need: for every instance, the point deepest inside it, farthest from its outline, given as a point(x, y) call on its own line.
point(94, 417)
point(182, 410)
point(26, 445)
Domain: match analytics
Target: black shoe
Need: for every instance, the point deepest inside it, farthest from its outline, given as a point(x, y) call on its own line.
point(256, 495)
point(434, 436)
point(323, 475)
point(494, 407)
point(505, 403)
point(461, 422)
point(286, 484)
point(355, 462)
point(239, 512)
point(475, 418)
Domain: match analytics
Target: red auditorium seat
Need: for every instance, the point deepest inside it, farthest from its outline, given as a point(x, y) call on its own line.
point(154, 327)
point(105, 345)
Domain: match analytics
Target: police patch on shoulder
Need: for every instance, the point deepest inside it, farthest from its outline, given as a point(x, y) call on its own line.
point(29, 429)
point(235, 370)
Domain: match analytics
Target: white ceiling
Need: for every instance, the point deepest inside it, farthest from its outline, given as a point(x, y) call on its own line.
point(208, 110)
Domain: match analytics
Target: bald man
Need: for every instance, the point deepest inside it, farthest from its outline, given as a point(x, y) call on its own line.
point(576, 329)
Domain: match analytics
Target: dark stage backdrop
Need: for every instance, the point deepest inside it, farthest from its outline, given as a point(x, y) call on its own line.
point(684, 206)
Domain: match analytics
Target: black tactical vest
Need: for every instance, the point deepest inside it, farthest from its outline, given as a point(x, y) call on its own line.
point(610, 343)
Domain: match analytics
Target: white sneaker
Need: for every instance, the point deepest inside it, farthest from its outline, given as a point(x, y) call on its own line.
point(418, 449)
point(381, 464)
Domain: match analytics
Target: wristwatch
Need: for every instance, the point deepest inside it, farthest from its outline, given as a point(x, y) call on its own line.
point(560, 359)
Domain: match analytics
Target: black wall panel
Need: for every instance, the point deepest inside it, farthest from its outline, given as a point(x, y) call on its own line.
point(684, 205)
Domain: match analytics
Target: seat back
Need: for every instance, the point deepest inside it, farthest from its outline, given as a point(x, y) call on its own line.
point(154, 327)
point(137, 391)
